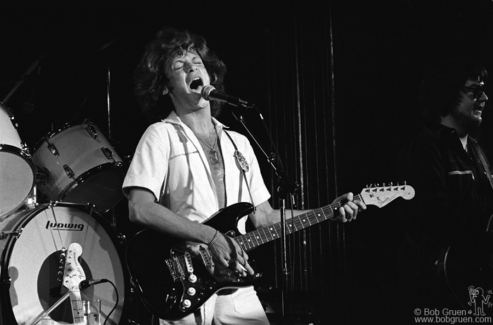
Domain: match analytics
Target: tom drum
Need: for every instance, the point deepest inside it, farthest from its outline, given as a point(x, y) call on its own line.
point(78, 164)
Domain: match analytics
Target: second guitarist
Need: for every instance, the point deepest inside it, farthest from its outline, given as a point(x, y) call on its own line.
point(454, 193)
point(187, 166)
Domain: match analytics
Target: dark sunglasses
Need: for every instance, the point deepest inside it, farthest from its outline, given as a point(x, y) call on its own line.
point(477, 90)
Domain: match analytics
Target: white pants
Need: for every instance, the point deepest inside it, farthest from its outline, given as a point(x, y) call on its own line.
point(241, 307)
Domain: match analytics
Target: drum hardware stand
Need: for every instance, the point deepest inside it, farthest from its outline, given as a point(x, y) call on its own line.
point(49, 310)
point(32, 202)
point(5, 234)
point(108, 99)
point(26, 74)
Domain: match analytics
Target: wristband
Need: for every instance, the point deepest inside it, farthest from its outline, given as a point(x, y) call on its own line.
point(213, 238)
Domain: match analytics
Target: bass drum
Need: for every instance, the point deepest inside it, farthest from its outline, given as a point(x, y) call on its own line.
point(33, 244)
point(17, 173)
point(78, 164)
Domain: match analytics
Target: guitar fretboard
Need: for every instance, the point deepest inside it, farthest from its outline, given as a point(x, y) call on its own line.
point(264, 235)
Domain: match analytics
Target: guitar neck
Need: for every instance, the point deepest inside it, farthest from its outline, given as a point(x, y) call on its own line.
point(264, 235)
point(77, 308)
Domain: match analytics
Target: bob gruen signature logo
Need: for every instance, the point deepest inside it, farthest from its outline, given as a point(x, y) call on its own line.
point(478, 300)
point(64, 226)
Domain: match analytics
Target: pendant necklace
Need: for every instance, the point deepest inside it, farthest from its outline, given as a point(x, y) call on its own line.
point(213, 154)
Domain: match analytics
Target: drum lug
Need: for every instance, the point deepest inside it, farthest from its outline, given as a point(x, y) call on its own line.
point(108, 153)
point(14, 123)
point(25, 150)
point(53, 149)
point(91, 130)
point(5, 234)
point(70, 173)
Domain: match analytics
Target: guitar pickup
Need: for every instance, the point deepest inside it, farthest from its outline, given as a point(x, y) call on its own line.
point(206, 257)
point(188, 262)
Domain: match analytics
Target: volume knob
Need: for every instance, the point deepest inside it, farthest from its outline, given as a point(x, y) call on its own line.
point(186, 303)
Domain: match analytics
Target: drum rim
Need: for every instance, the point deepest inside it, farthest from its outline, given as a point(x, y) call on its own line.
point(65, 127)
point(24, 153)
point(27, 218)
point(80, 179)
point(27, 158)
point(110, 231)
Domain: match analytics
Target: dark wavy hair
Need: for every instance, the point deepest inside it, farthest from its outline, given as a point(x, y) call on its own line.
point(440, 92)
point(151, 74)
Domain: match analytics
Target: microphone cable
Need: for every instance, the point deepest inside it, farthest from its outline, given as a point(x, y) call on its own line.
point(116, 303)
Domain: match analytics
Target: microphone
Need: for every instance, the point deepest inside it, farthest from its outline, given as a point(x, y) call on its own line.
point(87, 283)
point(211, 93)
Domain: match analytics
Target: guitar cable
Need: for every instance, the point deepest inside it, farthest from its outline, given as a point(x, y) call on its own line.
point(116, 303)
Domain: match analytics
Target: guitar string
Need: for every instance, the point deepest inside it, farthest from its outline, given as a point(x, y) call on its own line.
point(296, 221)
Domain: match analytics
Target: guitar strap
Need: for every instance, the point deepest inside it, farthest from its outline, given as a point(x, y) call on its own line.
point(485, 166)
point(243, 166)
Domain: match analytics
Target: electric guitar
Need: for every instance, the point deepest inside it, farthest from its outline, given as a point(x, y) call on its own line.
point(174, 278)
point(467, 269)
point(72, 277)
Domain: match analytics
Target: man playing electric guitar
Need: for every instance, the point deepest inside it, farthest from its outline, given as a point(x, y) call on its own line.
point(187, 167)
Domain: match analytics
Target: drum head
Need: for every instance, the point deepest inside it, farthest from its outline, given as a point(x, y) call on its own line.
point(16, 179)
point(35, 265)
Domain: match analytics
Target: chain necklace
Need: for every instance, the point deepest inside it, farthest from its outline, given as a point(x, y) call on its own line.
point(213, 154)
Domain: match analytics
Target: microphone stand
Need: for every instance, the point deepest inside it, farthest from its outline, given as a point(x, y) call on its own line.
point(285, 186)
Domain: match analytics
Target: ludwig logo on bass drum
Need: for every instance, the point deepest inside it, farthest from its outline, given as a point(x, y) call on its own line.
point(64, 226)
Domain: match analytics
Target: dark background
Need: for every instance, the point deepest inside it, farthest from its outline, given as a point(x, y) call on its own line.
point(382, 49)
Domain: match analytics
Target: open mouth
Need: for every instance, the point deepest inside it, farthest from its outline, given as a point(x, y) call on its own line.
point(196, 84)
point(478, 110)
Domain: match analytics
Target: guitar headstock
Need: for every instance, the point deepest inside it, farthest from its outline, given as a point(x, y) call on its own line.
point(383, 195)
point(73, 274)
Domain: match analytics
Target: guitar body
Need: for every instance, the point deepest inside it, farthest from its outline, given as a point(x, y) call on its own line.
point(469, 266)
point(174, 278)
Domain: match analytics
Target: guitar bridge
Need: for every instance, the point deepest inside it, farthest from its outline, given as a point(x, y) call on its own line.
point(173, 270)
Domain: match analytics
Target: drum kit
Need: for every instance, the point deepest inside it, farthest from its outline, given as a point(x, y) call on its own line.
point(50, 201)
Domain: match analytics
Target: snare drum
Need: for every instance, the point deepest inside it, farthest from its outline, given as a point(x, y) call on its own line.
point(32, 246)
point(17, 173)
point(78, 164)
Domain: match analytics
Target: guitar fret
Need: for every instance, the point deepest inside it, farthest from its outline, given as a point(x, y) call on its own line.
point(241, 241)
point(249, 241)
point(256, 239)
point(275, 234)
point(253, 240)
point(264, 236)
